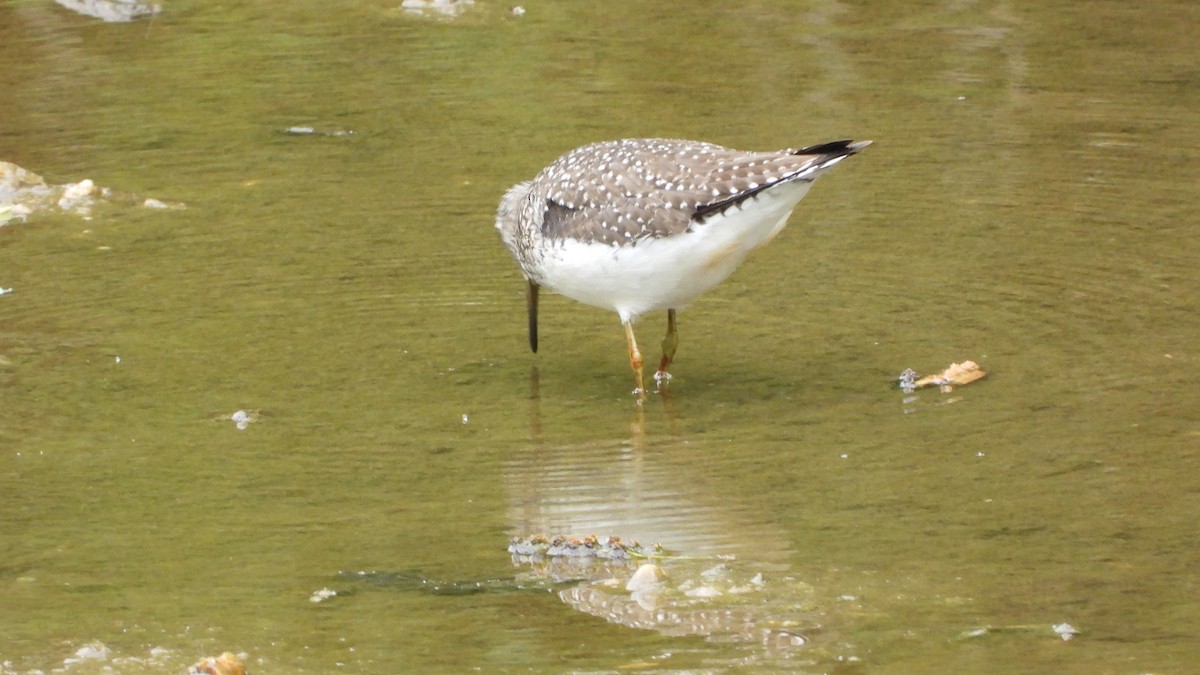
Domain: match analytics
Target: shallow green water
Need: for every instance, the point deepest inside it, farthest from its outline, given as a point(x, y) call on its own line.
point(1029, 204)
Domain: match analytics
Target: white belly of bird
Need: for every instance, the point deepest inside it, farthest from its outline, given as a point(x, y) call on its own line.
point(669, 272)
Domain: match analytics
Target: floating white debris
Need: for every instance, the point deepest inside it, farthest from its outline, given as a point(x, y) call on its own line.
point(5, 291)
point(518, 11)
point(111, 11)
point(313, 131)
point(243, 419)
point(152, 203)
point(322, 595)
point(444, 7)
point(1065, 630)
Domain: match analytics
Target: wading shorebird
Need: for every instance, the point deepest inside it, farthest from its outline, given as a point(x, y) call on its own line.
point(648, 224)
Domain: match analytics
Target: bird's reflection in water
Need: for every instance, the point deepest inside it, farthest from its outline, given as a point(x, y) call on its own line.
point(634, 481)
point(726, 564)
point(637, 405)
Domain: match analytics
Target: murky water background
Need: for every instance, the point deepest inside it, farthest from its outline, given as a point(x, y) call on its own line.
point(1029, 204)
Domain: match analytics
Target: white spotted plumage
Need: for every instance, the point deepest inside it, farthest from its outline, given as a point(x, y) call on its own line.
point(638, 225)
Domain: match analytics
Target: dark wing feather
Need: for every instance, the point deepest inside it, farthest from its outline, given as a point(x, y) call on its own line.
point(622, 191)
point(788, 165)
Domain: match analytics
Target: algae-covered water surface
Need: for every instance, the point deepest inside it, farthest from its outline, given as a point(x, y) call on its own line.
point(265, 385)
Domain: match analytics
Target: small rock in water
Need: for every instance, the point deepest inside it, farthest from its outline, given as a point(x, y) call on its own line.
point(23, 193)
point(957, 374)
point(646, 577)
point(225, 664)
point(80, 196)
point(78, 190)
point(94, 651)
point(703, 592)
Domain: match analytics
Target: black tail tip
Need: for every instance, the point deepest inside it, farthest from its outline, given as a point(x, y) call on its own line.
point(843, 147)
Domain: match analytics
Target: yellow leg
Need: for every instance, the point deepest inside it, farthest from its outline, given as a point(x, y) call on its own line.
point(635, 358)
point(669, 343)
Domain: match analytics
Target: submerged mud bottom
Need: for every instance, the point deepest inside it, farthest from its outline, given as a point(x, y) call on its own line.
point(733, 624)
point(643, 588)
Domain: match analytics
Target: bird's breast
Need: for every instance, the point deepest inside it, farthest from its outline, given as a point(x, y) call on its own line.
point(657, 273)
